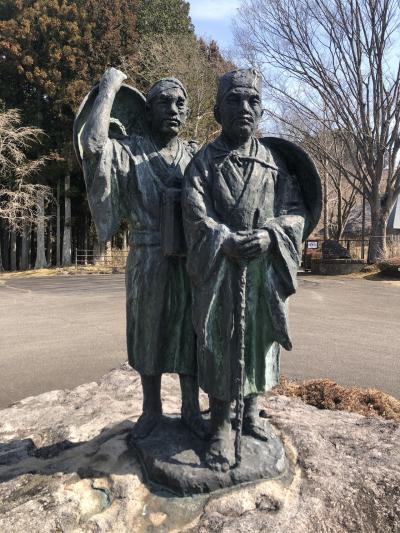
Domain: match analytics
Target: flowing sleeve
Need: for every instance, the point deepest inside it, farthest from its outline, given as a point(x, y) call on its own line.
point(204, 233)
point(288, 226)
point(286, 231)
point(106, 177)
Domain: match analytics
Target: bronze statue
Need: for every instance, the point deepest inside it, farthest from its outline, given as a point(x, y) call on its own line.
point(247, 205)
point(133, 162)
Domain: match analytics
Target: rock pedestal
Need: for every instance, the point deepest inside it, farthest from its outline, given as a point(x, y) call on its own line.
point(173, 457)
point(65, 465)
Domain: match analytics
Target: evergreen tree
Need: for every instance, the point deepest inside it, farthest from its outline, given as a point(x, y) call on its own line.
point(164, 16)
point(51, 53)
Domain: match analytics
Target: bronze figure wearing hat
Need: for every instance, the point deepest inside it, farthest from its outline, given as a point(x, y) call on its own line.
point(248, 203)
point(133, 162)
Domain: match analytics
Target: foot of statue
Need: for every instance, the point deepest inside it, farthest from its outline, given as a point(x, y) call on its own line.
point(145, 425)
point(219, 451)
point(195, 423)
point(254, 427)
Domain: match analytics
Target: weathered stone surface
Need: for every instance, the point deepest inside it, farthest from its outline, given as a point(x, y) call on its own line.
point(347, 480)
point(174, 457)
point(65, 466)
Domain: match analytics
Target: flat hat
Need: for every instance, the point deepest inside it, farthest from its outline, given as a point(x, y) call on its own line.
point(249, 77)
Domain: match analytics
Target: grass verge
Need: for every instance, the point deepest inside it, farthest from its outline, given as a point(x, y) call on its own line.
point(62, 271)
point(327, 394)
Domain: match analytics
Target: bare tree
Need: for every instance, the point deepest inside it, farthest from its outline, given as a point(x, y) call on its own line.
point(21, 202)
point(66, 247)
point(344, 200)
point(340, 191)
point(333, 63)
point(19, 205)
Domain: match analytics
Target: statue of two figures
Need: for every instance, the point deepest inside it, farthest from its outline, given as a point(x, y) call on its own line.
point(215, 244)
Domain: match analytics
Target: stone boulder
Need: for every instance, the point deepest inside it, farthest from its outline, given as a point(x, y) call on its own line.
point(390, 267)
point(65, 466)
point(334, 250)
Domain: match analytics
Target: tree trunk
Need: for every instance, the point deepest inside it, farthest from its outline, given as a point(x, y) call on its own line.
point(58, 223)
point(340, 218)
point(1, 246)
point(125, 240)
point(108, 253)
point(326, 233)
point(97, 251)
point(102, 252)
point(13, 250)
point(363, 226)
point(85, 243)
point(377, 241)
point(40, 248)
point(5, 243)
point(50, 243)
point(31, 245)
point(66, 247)
point(25, 247)
point(1, 257)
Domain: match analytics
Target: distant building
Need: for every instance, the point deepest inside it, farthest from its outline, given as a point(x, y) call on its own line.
point(393, 226)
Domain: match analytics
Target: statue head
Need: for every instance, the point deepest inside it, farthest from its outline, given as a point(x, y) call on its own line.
point(238, 107)
point(166, 107)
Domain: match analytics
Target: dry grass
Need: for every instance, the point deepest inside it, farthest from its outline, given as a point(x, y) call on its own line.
point(34, 273)
point(373, 273)
point(390, 267)
point(62, 271)
point(326, 394)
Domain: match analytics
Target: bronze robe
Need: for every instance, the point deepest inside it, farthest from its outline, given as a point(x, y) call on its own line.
point(226, 192)
point(128, 181)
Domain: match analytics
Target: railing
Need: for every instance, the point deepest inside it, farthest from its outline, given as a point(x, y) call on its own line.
point(113, 259)
point(357, 248)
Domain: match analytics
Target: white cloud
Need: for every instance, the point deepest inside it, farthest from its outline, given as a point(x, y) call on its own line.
point(213, 9)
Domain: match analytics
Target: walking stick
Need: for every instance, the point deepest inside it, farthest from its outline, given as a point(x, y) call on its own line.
point(241, 326)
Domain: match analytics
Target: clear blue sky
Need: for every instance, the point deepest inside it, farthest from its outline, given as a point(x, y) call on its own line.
point(212, 19)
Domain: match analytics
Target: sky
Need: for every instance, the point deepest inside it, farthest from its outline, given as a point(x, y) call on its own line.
point(212, 19)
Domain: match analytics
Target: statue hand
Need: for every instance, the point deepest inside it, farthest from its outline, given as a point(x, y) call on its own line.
point(256, 244)
point(112, 79)
point(233, 244)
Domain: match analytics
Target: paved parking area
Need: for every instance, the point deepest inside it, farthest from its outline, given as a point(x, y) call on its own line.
point(59, 332)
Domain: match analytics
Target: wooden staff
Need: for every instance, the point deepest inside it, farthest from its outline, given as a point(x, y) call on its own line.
point(240, 376)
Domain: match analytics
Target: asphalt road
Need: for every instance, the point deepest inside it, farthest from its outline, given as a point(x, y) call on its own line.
point(59, 332)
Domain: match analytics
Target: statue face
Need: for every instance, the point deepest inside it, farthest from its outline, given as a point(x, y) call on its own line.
point(239, 112)
point(168, 112)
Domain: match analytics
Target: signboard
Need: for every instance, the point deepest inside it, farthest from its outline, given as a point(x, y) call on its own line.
point(312, 245)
